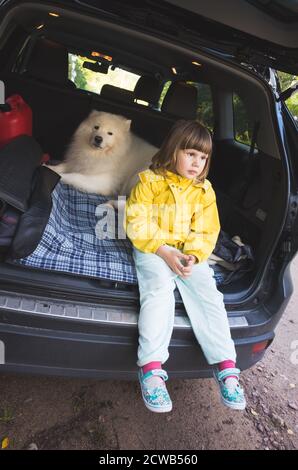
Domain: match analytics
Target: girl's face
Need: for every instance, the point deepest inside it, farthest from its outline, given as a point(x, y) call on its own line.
point(190, 163)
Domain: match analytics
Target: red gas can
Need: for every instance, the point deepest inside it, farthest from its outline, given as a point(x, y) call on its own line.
point(15, 119)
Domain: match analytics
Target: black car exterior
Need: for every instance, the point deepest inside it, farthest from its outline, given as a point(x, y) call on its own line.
point(88, 328)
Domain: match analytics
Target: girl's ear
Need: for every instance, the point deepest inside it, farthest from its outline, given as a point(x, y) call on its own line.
point(128, 124)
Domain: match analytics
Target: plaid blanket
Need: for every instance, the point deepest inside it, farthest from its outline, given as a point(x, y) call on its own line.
point(70, 243)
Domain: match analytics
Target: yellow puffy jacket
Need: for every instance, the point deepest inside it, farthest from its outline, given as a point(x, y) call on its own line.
point(172, 210)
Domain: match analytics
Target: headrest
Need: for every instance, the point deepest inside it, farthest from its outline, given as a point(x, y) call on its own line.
point(181, 100)
point(116, 93)
point(147, 89)
point(48, 61)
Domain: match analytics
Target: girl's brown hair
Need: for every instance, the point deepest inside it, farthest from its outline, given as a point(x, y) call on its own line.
point(183, 135)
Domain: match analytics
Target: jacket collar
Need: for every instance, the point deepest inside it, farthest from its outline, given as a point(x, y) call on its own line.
point(169, 175)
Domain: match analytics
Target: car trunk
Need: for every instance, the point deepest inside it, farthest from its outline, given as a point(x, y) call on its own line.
point(250, 181)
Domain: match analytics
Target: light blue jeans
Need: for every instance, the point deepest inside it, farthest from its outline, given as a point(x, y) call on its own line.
point(203, 303)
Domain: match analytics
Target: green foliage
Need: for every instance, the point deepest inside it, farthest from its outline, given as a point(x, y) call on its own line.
point(86, 79)
point(205, 106)
point(77, 73)
point(163, 93)
point(242, 123)
point(81, 79)
point(286, 80)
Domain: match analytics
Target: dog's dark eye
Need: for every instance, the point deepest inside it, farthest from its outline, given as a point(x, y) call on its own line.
point(96, 127)
point(110, 133)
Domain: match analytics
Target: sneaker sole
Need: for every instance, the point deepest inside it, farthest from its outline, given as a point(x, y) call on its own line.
point(158, 410)
point(233, 406)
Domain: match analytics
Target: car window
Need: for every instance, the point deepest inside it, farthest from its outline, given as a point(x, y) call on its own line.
point(89, 80)
point(163, 93)
point(286, 80)
point(205, 105)
point(243, 125)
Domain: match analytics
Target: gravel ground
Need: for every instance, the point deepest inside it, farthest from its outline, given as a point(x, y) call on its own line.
point(58, 413)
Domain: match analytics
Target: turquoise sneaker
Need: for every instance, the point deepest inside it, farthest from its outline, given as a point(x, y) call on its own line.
point(232, 397)
point(155, 396)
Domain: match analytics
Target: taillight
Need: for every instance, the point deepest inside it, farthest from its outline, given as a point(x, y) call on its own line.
point(258, 347)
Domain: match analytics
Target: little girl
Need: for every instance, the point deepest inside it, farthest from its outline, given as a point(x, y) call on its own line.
point(172, 222)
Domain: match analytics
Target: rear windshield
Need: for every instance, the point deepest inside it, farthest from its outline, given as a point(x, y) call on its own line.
point(89, 80)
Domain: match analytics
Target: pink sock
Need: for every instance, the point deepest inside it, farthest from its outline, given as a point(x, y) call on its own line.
point(228, 364)
point(151, 366)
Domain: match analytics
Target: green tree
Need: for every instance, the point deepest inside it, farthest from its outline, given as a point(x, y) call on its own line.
point(242, 123)
point(163, 93)
point(286, 80)
point(205, 105)
point(81, 81)
point(76, 72)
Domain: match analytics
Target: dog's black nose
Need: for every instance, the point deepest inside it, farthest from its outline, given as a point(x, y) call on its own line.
point(98, 139)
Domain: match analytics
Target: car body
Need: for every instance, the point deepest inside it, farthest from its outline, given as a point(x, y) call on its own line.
point(51, 323)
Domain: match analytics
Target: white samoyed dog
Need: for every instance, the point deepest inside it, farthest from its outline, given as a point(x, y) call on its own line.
point(104, 156)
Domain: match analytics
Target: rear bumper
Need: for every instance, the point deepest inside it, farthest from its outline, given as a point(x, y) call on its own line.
point(107, 354)
point(46, 336)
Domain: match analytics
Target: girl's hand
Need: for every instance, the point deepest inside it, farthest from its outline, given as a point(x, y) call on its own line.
point(176, 260)
point(187, 270)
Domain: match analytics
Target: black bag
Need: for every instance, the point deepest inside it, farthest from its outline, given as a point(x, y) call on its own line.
point(241, 256)
point(34, 220)
point(18, 161)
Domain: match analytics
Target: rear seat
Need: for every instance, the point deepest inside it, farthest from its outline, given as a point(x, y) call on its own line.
point(148, 89)
point(180, 102)
point(58, 108)
point(152, 125)
point(116, 93)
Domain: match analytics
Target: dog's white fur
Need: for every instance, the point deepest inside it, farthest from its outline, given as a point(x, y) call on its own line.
point(104, 156)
